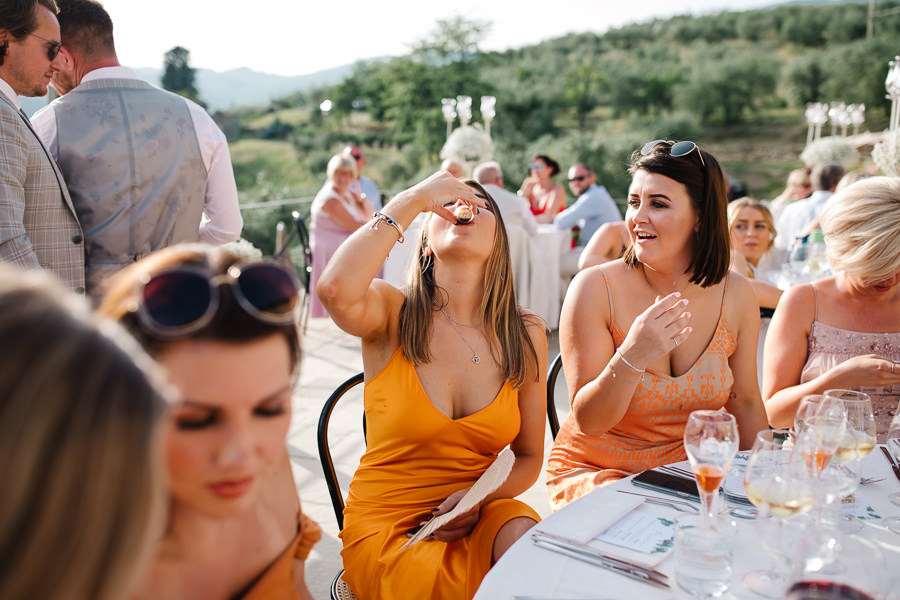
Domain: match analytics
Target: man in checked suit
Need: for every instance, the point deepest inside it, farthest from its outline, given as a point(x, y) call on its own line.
point(38, 226)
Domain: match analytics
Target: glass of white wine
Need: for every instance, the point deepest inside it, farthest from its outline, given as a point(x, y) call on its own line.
point(777, 481)
point(859, 437)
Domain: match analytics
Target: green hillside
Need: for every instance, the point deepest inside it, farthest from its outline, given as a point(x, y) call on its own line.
point(735, 82)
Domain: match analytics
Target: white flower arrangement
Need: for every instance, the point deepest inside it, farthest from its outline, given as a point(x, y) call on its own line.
point(832, 149)
point(243, 248)
point(886, 155)
point(468, 145)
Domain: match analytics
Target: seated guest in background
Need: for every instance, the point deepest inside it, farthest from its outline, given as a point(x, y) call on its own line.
point(336, 212)
point(648, 339)
point(752, 238)
point(453, 355)
point(146, 168)
point(546, 197)
point(452, 167)
point(797, 216)
point(83, 487)
point(593, 207)
point(362, 185)
point(608, 243)
point(514, 209)
point(225, 332)
point(843, 331)
point(798, 187)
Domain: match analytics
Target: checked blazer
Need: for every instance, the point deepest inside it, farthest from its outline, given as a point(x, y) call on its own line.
point(38, 225)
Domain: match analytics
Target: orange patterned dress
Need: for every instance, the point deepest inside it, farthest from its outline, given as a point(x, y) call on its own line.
point(651, 432)
point(415, 457)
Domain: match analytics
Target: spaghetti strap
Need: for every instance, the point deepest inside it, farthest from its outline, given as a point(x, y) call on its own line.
point(612, 316)
point(724, 291)
point(815, 302)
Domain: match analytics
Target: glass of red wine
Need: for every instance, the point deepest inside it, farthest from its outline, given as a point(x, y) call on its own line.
point(829, 565)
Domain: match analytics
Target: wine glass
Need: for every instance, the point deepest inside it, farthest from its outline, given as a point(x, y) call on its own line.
point(859, 438)
point(893, 445)
point(711, 441)
point(818, 428)
point(777, 482)
point(837, 566)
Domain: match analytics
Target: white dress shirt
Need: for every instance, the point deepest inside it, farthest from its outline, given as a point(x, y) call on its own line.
point(222, 221)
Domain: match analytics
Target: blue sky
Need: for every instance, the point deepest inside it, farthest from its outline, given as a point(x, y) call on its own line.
point(296, 37)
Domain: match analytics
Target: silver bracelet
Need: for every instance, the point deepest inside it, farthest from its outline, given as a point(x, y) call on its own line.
point(390, 221)
point(633, 368)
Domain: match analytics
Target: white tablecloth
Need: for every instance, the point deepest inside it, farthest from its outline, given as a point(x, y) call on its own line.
point(527, 571)
point(536, 267)
point(403, 256)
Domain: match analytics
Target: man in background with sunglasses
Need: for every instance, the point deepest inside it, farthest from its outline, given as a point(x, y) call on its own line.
point(146, 168)
point(38, 224)
point(592, 208)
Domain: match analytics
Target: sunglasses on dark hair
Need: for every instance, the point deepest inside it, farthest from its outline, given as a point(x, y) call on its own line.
point(578, 178)
point(53, 49)
point(180, 302)
point(676, 149)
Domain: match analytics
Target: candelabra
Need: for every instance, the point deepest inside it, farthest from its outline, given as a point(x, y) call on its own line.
point(471, 142)
point(816, 116)
point(892, 86)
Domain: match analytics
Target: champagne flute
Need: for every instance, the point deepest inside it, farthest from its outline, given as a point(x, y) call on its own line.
point(710, 441)
point(777, 482)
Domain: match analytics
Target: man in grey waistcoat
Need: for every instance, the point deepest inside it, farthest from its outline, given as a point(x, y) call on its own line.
point(38, 225)
point(145, 167)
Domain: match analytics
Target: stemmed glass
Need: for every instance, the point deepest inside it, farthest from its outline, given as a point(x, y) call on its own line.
point(859, 438)
point(821, 422)
point(829, 565)
point(711, 441)
point(893, 446)
point(777, 482)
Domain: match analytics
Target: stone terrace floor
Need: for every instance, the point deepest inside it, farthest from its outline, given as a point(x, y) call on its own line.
point(330, 356)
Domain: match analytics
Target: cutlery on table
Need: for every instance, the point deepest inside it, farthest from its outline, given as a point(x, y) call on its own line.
point(891, 461)
point(592, 556)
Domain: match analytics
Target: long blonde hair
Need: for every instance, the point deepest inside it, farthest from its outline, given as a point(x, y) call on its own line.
point(80, 455)
point(504, 324)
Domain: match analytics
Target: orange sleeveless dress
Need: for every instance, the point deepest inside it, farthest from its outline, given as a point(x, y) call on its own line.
point(651, 432)
point(415, 457)
point(277, 581)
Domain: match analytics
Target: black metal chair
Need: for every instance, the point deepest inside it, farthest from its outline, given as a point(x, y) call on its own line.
point(339, 589)
point(552, 375)
point(304, 271)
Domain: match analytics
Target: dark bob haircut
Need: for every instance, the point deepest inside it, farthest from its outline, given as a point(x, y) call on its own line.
point(699, 172)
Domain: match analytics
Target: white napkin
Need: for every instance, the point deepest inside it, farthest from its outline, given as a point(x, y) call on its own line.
point(590, 515)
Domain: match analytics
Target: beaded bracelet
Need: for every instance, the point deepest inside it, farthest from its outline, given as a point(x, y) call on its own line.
point(390, 221)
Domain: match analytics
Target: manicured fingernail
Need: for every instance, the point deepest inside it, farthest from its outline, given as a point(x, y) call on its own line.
point(678, 294)
point(687, 315)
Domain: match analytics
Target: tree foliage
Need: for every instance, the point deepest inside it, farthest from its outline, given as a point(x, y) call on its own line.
point(178, 75)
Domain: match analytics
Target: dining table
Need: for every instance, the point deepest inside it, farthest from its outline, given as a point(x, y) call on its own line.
point(528, 571)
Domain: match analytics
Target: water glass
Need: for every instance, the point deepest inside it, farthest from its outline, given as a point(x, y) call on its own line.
point(704, 554)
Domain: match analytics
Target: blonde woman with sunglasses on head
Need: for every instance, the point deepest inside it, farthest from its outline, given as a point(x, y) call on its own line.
point(225, 332)
point(80, 454)
point(666, 330)
point(454, 373)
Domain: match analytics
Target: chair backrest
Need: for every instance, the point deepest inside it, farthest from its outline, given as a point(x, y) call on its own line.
point(552, 374)
point(331, 478)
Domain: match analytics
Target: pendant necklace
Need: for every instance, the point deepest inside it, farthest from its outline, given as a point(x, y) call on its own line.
point(456, 325)
point(659, 293)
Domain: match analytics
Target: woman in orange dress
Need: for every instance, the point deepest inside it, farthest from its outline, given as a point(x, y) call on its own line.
point(225, 332)
point(665, 330)
point(454, 373)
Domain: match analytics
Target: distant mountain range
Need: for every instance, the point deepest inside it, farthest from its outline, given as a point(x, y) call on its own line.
point(237, 87)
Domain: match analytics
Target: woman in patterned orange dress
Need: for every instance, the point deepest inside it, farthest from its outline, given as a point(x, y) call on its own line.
point(665, 330)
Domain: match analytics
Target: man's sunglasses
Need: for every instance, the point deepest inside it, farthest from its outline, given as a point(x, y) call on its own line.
point(676, 149)
point(579, 178)
point(178, 303)
point(53, 49)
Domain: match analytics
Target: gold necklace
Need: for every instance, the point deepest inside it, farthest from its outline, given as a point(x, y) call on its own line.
point(659, 293)
point(456, 325)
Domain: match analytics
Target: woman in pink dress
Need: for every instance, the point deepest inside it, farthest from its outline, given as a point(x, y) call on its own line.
point(337, 211)
point(843, 331)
